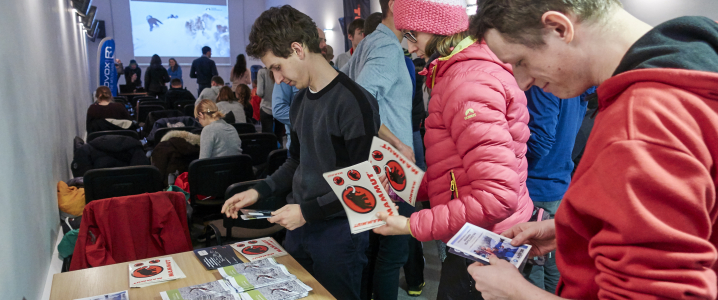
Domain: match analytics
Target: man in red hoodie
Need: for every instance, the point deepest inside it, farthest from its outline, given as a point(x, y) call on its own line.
point(639, 218)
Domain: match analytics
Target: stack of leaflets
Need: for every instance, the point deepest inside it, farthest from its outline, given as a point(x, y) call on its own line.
point(255, 214)
point(154, 271)
point(289, 290)
point(243, 279)
point(404, 176)
point(477, 244)
point(217, 257)
point(259, 249)
point(362, 195)
point(112, 296)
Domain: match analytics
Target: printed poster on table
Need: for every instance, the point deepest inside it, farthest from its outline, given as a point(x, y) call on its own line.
point(362, 195)
point(154, 271)
point(404, 176)
point(259, 248)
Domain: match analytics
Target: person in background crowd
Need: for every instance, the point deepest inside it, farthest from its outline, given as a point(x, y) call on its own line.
point(105, 108)
point(355, 34)
point(333, 122)
point(379, 65)
point(282, 97)
point(176, 93)
point(156, 78)
point(133, 75)
point(554, 125)
point(244, 97)
point(639, 218)
point(372, 21)
point(476, 137)
point(204, 69)
point(265, 87)
point(212, 91)
point(120, 70)
point(240, 74)
point(227, 101)
point(330, 55)
point(218, 138)
point(174, 70)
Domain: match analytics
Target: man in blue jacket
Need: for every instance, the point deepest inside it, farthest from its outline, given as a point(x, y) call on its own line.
point(554, 125)
point(203, 69)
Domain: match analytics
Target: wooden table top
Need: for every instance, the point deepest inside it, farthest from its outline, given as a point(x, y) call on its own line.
point(115, 278)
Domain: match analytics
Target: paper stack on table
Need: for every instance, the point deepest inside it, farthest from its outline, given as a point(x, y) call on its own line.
point(361, 194)
point(259, 248)
point(154, 271)
point(262, 279)
point(111, 296)
point(477, 244)
point(404, 176)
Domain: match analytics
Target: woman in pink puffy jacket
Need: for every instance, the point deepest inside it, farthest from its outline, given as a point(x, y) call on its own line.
point(476, 135)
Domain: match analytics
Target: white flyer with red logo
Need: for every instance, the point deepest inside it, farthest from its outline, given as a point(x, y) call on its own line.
point(259, 248)
point(154, 271)
point(404, 176)
point(360, 192)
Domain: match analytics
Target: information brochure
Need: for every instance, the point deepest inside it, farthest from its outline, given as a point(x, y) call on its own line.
point(217, 257)
point(154, 271)
point(404, 176)
point(361, 193)
point(254, 278)
point(259, 248)
point(215, 290)
point(290, 290)
point(477, 244)
point(112, 296)
point(255, 214)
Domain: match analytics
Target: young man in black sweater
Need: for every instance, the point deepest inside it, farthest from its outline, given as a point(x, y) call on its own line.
point(333, 123)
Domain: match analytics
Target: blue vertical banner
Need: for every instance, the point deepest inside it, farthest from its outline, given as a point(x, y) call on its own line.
point(106, 62)
point(353, 9)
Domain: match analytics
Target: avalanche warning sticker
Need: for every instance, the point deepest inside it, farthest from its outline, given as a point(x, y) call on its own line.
point(404, 176)
point(362, 195)
point(259, 248)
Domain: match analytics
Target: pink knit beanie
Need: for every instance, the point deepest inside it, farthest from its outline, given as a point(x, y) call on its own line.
point(442, 17)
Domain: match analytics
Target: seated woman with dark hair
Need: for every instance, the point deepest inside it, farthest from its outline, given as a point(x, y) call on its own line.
point(105, 108)
point(227, 102)
point(218, 138)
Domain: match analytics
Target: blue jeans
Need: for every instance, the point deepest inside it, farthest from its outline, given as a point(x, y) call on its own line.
point(419, 151)
point(334, 256)
point(546, 276)
point(386, 254)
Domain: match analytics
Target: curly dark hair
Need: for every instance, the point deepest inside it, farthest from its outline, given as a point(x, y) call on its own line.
point(277, 28)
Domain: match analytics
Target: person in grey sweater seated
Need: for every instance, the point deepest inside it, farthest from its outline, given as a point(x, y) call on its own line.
point(227, 102)
point(211, 92)
point(218, 138)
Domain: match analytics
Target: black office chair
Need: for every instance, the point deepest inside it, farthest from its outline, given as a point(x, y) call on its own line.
point(179, 105)
point(230, 223)
point(244, 128)
point(144, 110)
point(120, 99)
point(258, 146)
point(163, 131)
point(96, 134)
point(153, 116)
point(275, 160)
point(210, 177)
point(153, 102)
point(123, 181)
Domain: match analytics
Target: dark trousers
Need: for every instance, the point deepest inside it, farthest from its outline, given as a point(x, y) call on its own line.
point(414, 267)
point(455, 282)
point(333, 255)
point(271, 125)
point(386, 254)
point(201, 88)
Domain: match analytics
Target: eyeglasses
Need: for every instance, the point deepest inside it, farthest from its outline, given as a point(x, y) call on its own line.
point(409, 36)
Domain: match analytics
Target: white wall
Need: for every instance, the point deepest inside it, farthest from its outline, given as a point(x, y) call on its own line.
point(655, 12)
point(116, 14)
point(44, 92)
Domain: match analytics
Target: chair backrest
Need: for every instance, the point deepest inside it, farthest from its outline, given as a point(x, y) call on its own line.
point(243, 128)
point(258, 146)
point(96, 134)
point(252, 224)
point(153, 102)
point(179, 105)
point(212, 176)
point(275, 160)
point(189, 109)
point(120, 99)
point(144, 98)
point(144, 110)
point(163, 131)
point(123, 181)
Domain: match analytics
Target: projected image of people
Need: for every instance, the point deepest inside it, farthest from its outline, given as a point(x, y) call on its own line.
point(179, 29)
